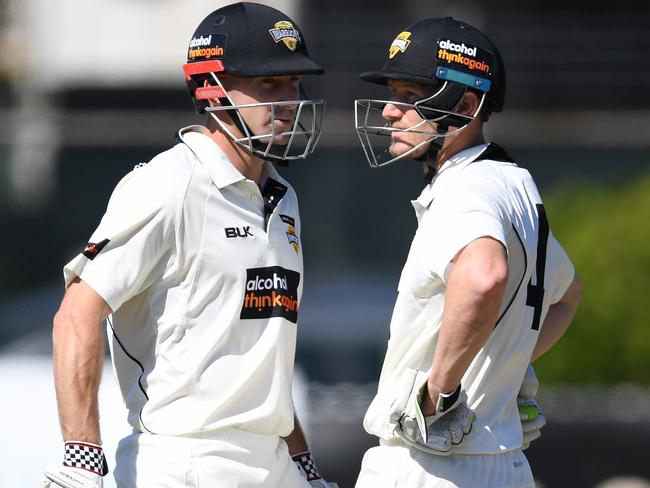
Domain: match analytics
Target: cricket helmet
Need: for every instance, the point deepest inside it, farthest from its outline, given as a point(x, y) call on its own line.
point(447, 55)
point(251, 40)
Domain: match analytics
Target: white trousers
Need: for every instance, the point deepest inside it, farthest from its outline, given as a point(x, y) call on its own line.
point(227, 459)
point(398, 466)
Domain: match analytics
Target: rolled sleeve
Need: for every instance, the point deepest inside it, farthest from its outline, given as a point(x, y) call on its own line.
point(136, 233)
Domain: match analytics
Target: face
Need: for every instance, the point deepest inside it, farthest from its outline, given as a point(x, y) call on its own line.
point(401, 117)
point(263, 119)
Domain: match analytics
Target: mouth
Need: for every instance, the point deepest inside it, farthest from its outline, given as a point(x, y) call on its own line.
point(399, 138)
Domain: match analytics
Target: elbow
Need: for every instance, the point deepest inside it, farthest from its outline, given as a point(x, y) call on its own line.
point(490, 282)
point(574, 293)
point(578, 283)
point(60, 326)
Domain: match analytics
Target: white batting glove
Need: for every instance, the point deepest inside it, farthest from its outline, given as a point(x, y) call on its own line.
point(530, 414)
point(307, 468)
point(84, 466)
point(437, 433)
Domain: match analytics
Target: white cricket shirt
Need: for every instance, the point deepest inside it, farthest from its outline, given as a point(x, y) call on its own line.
point(479, 192)
point(204, 285)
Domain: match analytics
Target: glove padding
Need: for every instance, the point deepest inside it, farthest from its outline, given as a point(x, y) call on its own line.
point(321, 483)
point(58, 475)
point(307, 468)
point(438, 433)
point(530, 414)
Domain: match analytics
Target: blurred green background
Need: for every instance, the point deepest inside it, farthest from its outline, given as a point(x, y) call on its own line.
point(605, 228)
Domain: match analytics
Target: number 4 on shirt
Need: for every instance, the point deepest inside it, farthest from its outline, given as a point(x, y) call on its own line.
point(535, 297)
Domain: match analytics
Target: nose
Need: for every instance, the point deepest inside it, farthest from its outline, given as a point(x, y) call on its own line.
point(391, 113)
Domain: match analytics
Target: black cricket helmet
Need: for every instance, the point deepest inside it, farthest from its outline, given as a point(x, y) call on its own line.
point(252, 40)
point(450, 57)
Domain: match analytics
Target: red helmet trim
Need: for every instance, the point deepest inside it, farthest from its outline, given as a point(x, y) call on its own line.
point(207, 92)
point(202, 67)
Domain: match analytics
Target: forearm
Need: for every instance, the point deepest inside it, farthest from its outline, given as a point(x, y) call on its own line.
point(558, 319)
point(78, 355)
point(475, 289)
point(467, 322)
point(296, 441)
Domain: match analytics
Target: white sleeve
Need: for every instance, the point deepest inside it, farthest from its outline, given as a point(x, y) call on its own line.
point(453, 221)
point(134, 242)
point(559, 269)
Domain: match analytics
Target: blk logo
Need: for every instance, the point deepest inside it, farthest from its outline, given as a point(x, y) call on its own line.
point(234, 232)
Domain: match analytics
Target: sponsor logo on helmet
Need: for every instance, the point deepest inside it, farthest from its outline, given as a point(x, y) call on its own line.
point(466, 58)
point(207, 47)
point(285, 31)
point(271, 292)
point(400, 44)
point(459, 48)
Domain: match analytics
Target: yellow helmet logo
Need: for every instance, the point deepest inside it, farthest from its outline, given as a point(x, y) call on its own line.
point(285, 31)
point(400, 44)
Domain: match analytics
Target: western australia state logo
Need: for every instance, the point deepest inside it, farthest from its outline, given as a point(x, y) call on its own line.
point(291, 232)
point(285, 31)
point(400, 44)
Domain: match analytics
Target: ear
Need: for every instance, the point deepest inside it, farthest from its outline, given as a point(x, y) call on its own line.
point(469, 103)
point(212, 102)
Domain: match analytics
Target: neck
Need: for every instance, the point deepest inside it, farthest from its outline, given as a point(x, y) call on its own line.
point(470, 137)
point(246, 163)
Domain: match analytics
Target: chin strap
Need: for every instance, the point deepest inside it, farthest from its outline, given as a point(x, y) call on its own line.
point(429, 157)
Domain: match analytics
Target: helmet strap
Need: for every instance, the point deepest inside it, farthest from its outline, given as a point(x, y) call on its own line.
point(430, 156)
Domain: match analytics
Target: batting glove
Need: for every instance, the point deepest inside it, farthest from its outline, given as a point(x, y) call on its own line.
point(530, 414)
point(84, 466)
point(307, 467)
point(437, 433)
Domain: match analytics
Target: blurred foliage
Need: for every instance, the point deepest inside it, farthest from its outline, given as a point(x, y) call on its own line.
point(606, 232)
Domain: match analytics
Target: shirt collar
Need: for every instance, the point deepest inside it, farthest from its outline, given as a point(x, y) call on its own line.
point(217, 164)
point(449, 167)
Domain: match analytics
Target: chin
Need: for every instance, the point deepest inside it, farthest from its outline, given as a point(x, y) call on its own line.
point(399, 148)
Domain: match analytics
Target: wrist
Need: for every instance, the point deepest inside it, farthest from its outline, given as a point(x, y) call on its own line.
point(438, 400)
point(306, 465)
point(447, 400)
point(86, 456)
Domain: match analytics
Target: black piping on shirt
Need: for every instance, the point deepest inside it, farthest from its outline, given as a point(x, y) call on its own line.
point(144, 392)
point(512, 299)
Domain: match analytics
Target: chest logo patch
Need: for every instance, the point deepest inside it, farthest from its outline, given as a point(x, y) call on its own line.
point(292, 237)
point(234, 232)
point(271, 292)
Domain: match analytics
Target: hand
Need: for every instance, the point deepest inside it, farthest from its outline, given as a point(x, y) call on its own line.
point(58, 475)
point(451, 421)
point(321, 483)
point(307, 467)
point(530, 414)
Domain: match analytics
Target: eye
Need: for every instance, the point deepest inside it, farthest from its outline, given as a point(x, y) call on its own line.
point(267, 82)
point(411, 96)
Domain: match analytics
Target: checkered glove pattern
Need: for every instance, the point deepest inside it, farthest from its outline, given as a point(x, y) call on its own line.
point(306, 465)
point(307, 468)
point(85, 455)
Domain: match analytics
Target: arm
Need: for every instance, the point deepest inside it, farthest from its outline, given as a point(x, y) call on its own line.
point(296, 441)
point(475, 289)
point(78, 358)
point(558, 318)
point(302, 457)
